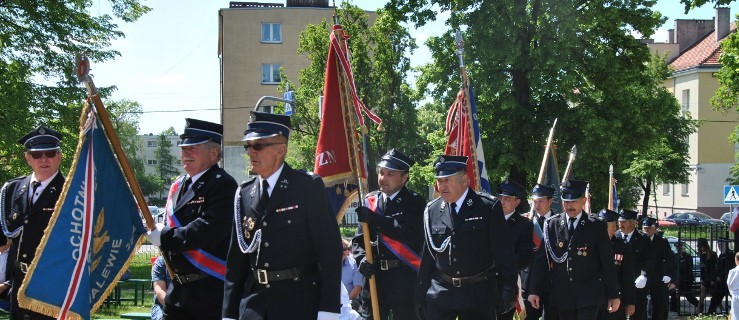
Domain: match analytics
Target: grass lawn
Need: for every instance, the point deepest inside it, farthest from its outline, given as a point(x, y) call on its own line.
point(140, 269)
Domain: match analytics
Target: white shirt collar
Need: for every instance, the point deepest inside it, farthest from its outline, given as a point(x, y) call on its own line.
point(272, 180)
point(509, 215)
point(577, 219)
point(389, 198)
point(43, 183)
point(460, 201)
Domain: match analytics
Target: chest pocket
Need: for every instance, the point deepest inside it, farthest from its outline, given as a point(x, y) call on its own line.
point(291, 218)
point(473, 225)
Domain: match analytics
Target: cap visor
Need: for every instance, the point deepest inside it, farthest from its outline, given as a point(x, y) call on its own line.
point(192, 141)
point(445, 173)
point(44, 147)
point(258, 135)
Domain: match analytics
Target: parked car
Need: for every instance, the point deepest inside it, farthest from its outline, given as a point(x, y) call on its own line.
point(156, 214)
point(673, 241)
point(693, 218)
point(726, 217)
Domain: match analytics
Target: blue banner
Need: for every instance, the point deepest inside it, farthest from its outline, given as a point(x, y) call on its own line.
point(484, 180)
point(551, 179)
point(92, 235)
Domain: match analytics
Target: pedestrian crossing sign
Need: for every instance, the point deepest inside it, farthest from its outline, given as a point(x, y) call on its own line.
point(731, 194)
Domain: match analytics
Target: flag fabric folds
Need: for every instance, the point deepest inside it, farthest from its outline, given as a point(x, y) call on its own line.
point(464, 137)
point(551, 179)
point(92, 235)
point(339, 160)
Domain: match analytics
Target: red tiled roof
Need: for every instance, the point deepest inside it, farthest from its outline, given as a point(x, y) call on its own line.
point(705, 52)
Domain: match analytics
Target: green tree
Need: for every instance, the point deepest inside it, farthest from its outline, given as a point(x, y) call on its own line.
point(38, 41)
point(536, 60)
point(166, 162)
point(379, 61)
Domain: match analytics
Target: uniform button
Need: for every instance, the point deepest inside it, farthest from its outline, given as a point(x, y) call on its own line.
point(457, 272)
point(267, 286)
point(454, 246)
point(289, 221)
point(453, 233)
point(25, 221)
point(264, 223)
point(455, 259)
point(570, 279)
point(266, 244)
point(266, 264)
point(25, 256)
point(570, 269)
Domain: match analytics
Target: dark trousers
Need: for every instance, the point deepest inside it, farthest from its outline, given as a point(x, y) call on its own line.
point(660, 303)
point(437, 312)
point(640, 304)
point(717, 296)
point(620, 314)
point(587, 313)
point(399, 309)
point(199, 299)
point(546, 310)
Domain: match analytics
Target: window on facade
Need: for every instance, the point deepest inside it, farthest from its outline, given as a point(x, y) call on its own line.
point(271, 32)
point(684, 190)
point(151, 162)
point(271, 73)
point(686, 101)
point(151, 144)
point(665, 189)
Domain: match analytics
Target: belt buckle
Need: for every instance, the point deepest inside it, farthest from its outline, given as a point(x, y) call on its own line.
point(24, 267)
point(262, 276)
point(383, 265)
point(457, 282)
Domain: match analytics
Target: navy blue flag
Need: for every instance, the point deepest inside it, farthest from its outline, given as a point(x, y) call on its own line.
point(92, 235)
point(551, 179)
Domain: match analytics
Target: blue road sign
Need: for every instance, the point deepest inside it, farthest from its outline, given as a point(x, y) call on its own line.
point(731, 194)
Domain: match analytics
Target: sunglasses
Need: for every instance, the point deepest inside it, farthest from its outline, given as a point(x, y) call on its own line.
point(259, 146)
point(39, 154)
point(347, 249)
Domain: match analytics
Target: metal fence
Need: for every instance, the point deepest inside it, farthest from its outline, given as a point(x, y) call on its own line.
point(683, 298)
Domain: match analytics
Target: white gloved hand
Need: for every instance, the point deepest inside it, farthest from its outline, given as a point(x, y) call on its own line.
point(666, 279)
point(155, 236)
point(641, 282)
point(324, 315)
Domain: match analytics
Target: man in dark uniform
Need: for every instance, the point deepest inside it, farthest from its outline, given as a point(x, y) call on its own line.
point(725, 263)
point(510, 195)
point(624, 262)
point(637, 241)
point(28, 203)
point(394, 215)
point(576, 246)
point(199, 218)
point(468, 266)
point(659, 268)
point(685, 279)
point(285, 256)
point(543, 197)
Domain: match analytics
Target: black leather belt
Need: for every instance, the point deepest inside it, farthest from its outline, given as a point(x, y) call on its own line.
point(461, 281)
point(389, 264)
point(190, 277)
point(22, 266)
point(265, 276)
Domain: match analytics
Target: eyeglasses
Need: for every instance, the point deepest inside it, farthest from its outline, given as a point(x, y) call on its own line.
point(39, 154)
point(260, 146)
point(347, 249)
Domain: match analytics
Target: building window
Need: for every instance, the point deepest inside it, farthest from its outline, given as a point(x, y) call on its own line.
point(686, 101)
point(151, 144)
point(665, 189)
point(684, 190)
point(271, 73)
point(271, 33)
point(151, 162)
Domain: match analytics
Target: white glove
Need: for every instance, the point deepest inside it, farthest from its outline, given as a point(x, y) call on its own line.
point(323, 315)
point(641, 282)
point(155, 236)
point(666, 279)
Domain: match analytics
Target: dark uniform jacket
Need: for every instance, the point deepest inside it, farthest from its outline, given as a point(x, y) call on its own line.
point(624, 261)
point(685, 271)
point(401, 221)
point(298, 230)
point(638, 244)
point(725, 263)
point(205, 213)
point(659, 260)
point(539, 220)
point(25, 223)
point(479, 240)
point(521, 230)
point(587, 277)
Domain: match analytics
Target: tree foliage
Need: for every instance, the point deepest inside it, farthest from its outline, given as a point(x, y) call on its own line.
point(536, 60)
point(38, 40)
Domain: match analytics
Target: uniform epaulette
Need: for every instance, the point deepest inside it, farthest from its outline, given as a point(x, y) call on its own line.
point(432, 201)
point(486, 195)
point(17, 178)
point(247, 182)
point(307, 173)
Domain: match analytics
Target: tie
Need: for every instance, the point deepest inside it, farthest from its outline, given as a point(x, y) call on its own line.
point(454, 207)
point(572, 226)
point(541, 222)
point(34, 187)
point(264, 197)
point(187, 186)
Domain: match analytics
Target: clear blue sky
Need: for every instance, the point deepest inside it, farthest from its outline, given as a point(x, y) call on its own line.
point(169, 61)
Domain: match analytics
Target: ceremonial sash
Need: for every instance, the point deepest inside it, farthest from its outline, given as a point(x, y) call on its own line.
point(200, 258)
point(399, 249)
point(538, 235)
